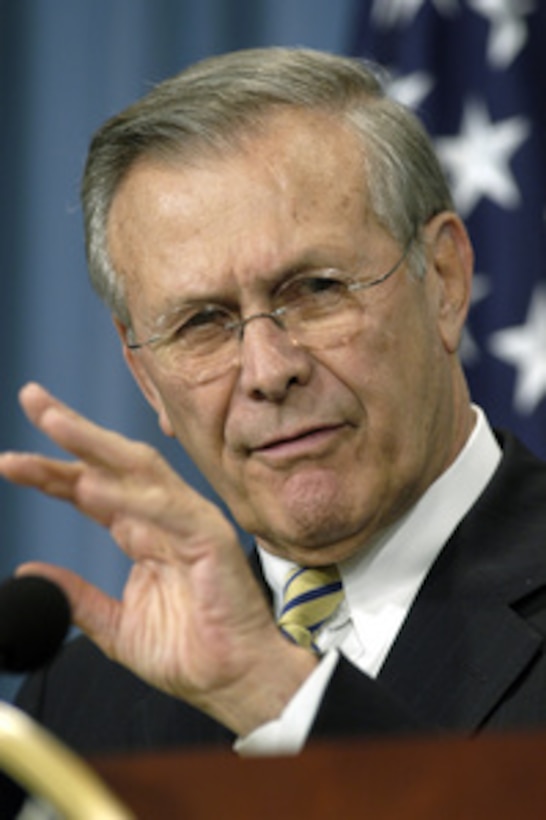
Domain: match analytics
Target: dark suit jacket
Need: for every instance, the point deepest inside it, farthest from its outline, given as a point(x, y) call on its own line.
point(469, 657)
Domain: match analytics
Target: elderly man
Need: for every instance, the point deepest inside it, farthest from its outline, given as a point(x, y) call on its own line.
point(278, 247)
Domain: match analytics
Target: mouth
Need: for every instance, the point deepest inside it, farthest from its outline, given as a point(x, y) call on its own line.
point(305, 443)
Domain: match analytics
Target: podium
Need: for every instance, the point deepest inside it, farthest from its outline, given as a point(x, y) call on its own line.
point(501, 777)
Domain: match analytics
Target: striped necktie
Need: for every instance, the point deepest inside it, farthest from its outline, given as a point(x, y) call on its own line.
point(310, 596)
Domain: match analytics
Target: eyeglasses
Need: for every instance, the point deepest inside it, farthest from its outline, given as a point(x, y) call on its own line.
point(318, 311)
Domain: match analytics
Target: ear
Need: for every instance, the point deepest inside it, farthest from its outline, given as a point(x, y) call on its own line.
point(144, 380)
point(451, 262)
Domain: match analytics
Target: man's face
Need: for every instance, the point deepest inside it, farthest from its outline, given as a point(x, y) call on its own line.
point(314, 451)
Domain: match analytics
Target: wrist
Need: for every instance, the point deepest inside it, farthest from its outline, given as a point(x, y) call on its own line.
point(262, 694)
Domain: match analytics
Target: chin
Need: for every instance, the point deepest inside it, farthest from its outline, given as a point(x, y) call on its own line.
point(314, 552)
point(316, 536)
point(314, 516)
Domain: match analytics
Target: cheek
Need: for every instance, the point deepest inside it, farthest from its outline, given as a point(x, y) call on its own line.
point(391, 370)
point(369, 366)
point(197, 416)
point(412, 382)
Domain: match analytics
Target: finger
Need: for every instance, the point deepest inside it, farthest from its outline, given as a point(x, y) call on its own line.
point(94, 612)
point(90, 489)
point(51, 476)
point(59, 479)
point(35, 400)
point(73, 432)
point(151, 491)
point(115, 476)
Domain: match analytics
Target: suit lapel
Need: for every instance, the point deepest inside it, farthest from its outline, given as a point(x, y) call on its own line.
point(465, 641)
point(456, 657)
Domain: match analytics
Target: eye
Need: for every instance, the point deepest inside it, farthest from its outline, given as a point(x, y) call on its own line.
point(199, 326)
point(321, 290)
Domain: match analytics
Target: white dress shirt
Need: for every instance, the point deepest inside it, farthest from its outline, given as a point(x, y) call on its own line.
point(380, 585)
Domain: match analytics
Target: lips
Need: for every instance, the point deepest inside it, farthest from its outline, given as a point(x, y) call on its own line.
point(299, 442)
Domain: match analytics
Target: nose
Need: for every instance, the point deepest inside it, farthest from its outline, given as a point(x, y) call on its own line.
point(271, 361)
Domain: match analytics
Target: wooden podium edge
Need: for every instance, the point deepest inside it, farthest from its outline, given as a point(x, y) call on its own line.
point(450, 778)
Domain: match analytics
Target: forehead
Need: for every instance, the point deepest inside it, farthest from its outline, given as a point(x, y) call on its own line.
point(294, 188)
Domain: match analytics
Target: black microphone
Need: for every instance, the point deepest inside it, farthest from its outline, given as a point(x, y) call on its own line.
point(34, 620)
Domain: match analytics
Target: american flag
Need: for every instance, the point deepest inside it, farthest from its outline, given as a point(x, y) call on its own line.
point(475, 72)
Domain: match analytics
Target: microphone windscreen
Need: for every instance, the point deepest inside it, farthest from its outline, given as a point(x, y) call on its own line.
point(34, 620)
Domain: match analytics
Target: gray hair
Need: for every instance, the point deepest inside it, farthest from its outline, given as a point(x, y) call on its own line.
point(210, 106)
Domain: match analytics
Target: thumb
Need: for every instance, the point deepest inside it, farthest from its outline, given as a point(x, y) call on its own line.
point(94, 612)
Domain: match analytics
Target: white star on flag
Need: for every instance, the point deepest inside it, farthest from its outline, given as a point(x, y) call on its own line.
point(524, 346)
point(477, 159)
point(509, 32)
point(387, 13)
point(411, 89)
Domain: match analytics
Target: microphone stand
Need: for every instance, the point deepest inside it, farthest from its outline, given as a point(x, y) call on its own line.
point(44, 767)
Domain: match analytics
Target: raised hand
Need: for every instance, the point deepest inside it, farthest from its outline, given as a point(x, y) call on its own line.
point(192, 620)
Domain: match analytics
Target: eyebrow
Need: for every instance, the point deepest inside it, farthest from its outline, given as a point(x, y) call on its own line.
point(310, 259)
point(168, 316)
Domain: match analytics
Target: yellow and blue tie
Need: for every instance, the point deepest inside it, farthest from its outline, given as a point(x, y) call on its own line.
point(310, 596)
